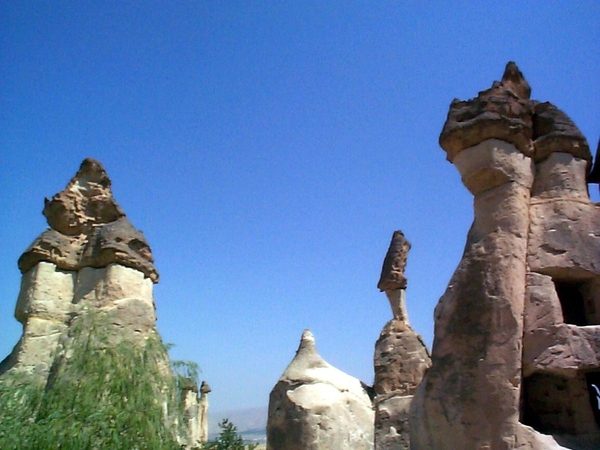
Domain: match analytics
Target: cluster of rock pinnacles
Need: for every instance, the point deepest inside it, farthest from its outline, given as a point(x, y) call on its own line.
point(515, 362)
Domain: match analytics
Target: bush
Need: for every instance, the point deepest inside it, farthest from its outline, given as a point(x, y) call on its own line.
point(228, 439)
point(101, 395)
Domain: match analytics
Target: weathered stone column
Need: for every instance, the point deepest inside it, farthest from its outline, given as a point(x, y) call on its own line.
point(401, 357)
point(204, 390)
point(469, 398)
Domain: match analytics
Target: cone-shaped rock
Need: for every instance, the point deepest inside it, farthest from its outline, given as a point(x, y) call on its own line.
point(315, 406)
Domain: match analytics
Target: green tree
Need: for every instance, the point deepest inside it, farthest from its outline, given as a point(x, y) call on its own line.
point(228, 439)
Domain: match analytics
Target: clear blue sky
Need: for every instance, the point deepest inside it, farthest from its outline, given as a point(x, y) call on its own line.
point(268, 150)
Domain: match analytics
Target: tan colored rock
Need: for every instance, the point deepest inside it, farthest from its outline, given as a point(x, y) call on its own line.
point(502, 112)
point(401, 360)
point(554, 131)
point(315, 406)
point(86, 202)
point(195, 412)
point(88, 228)
point(89, 280)
point(394, 264)
point(516, 353)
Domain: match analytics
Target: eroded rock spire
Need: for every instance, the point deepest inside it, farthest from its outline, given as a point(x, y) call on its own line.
point(88, 228)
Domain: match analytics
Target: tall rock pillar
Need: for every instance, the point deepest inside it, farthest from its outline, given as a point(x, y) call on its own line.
point(401, 357)
point(505, 146)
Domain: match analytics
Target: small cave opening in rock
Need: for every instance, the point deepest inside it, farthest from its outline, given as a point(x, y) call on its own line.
point(557, 405)
point(572, 302)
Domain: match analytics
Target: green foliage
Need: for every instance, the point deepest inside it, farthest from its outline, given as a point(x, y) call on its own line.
point(102, 395)
point(228, 439)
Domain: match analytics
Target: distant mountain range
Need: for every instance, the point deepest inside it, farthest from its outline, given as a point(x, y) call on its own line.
point(251, 423)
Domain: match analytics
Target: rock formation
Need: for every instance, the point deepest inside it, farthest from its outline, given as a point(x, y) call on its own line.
point(204, 390)
point(196, 412)
point(88, 315)
point(91, 257)
point(315, 406)
point(516, 353)
point(401, 357)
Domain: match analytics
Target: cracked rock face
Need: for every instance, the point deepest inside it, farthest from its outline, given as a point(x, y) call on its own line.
point(315, 406)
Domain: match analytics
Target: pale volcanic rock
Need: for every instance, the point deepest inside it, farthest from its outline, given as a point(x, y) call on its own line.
point(91, 259)
point(315, 406)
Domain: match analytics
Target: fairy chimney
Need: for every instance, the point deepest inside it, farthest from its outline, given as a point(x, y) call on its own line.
point(401, 357)
point(516, 354)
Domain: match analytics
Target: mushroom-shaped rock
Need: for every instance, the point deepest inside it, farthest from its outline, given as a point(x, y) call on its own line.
point(393, 281)
point(315, 406)
point(88, 228)
point(554, 131)
point(502, 112)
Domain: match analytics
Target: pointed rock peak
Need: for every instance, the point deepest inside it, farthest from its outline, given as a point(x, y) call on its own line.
point(93, 170)
point(307, 341)
point(86, 202)
point(514, 80)
point(309, 367)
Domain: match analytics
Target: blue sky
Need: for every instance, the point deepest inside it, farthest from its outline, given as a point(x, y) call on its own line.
point(268, 150)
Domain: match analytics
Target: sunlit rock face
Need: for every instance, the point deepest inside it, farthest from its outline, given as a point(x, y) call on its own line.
point(315, 406)
point(401, 357)
point(516, 354)
point(90, 260)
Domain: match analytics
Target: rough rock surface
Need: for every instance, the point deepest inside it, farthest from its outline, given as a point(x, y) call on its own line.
point(401, 360)
point(401, 357)
point(516, 347)
point(91, 259)
point(394, 264)
point(315, 406)
point(88, 277)
point(196, 412)
point(88, 228)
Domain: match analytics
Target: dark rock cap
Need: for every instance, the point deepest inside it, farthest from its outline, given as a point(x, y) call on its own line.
point(394, 264)
point(502, 112)
point(89, 228)
point(506, 112)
